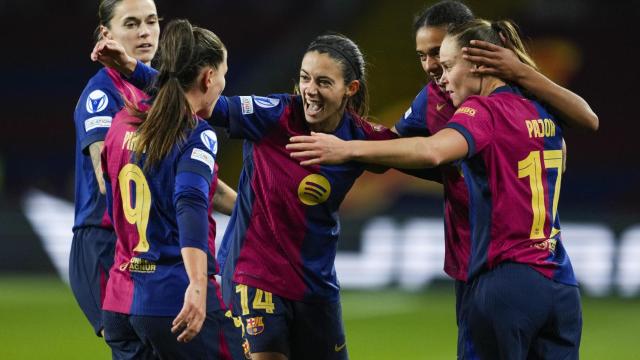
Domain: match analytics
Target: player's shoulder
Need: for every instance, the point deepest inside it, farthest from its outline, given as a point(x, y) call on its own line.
point(475, 105)
point(99, 96)
point(100, 81)
point(203, 135)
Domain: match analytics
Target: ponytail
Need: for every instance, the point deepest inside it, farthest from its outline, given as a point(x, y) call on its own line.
point(184, 50)
point(502, 33)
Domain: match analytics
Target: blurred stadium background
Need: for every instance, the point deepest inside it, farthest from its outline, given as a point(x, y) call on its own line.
point(397, 302)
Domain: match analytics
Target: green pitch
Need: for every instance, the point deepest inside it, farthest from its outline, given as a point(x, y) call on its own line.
point(40, 320)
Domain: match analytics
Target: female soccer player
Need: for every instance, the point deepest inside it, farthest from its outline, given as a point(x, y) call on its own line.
point(280, 245)
point(160, 164)
point(134, 24)
point(516, 292)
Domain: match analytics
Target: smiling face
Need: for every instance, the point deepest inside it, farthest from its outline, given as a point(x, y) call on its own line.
point(324, 92)
point(428, 42)
point(457, 79)
point(135, 26)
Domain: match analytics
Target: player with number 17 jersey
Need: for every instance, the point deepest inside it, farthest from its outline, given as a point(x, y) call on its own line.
point(513, 172)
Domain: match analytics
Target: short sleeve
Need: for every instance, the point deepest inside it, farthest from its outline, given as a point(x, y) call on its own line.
point(249, 117)
point(199, 153)
point(93, 115)
point(373, 131)
point(414, 120)
point(474, 121)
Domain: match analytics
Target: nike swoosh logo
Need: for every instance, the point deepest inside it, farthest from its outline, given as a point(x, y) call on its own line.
point(439, 106)
point(339, 348)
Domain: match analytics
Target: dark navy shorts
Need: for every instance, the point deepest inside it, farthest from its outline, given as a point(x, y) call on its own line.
point(514, 312)
point(150, 337)
point(299, 330)
point(91, 257)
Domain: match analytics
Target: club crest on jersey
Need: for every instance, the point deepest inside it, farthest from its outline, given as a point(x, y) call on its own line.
point(210, 140)
point(314, 189)
point(255, 325)
point(265, 102)
point(97, 101)
point(246, 104)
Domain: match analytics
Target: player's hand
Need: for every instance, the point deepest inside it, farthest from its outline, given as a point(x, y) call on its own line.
point(111, 54)
point(190, 319)
point(319, 148)
point(494, 60)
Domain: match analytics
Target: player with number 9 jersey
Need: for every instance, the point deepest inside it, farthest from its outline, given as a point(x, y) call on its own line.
point(148, 276)
point(159, 164)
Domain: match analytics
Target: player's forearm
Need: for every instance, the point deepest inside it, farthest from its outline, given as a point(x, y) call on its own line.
point(573, 109)
point(195, 263)
point(224, 198)
point(405, 153)
point(95, 150)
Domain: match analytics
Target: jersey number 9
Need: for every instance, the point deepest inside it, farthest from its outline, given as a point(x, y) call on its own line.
point(136, 201)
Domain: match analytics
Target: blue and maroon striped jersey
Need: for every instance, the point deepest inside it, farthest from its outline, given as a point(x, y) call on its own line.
point(283, 233)
point(513, 172)
point(101, 99)
point(429, 113)
point(148, 276)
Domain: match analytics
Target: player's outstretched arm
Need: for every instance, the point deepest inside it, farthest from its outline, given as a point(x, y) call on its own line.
point(112, 55)
point(190, 319)
point(445, 146)
point(503, 63)
point(224, 199)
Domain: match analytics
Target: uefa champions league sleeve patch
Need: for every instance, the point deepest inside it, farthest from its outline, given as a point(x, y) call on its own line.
point(97, 101)
point(203, 157)
point(210, 140)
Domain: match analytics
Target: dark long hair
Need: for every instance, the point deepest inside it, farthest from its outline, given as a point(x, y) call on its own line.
point(344, 51)
point(184, 50)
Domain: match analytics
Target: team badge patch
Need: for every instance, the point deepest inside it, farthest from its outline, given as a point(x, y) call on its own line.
point(246, 104)
point(210, 140)
point(255, 326)
point(97, 101)
point(314, 189)
point(204, 157)
point(265, 102)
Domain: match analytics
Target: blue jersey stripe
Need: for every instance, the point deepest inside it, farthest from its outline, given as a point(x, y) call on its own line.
point(480, 208)
point(234, 235)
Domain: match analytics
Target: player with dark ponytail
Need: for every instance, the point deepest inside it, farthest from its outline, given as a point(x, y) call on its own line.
point(162, 300)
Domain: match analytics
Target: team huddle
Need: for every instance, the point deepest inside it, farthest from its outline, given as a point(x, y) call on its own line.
point(488, 126)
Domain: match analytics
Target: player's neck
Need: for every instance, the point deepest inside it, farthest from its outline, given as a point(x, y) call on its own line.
point(488, 84)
